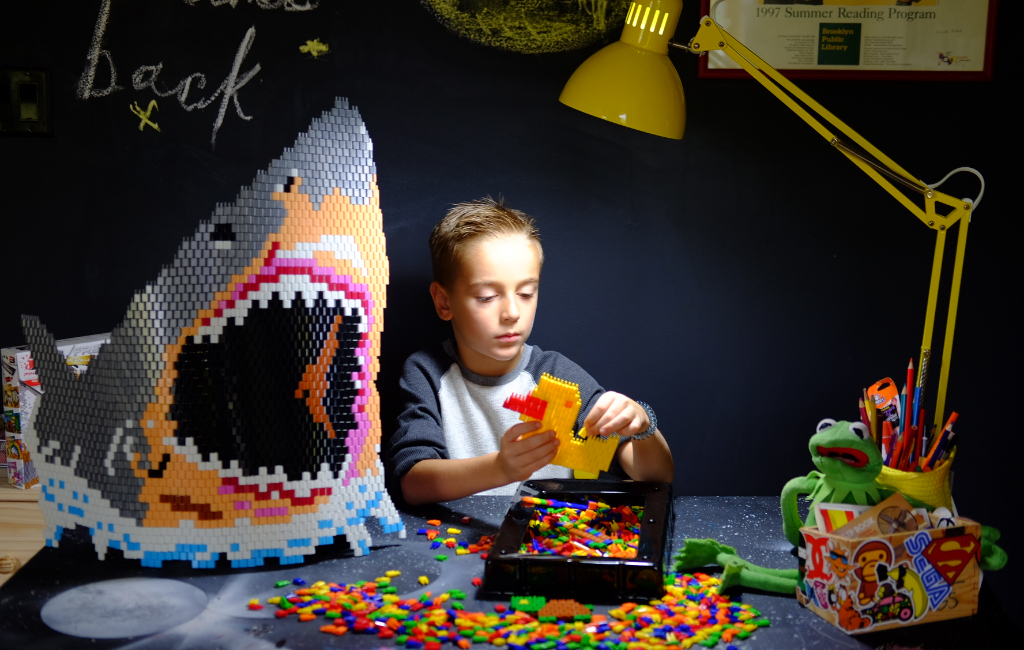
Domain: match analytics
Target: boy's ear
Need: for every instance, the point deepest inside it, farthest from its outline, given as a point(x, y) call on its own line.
point(441, 303)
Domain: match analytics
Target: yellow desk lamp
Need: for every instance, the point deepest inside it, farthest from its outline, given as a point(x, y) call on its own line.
point(632, 82)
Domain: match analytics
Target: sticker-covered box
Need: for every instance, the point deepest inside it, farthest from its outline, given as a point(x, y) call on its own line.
point(882, 582)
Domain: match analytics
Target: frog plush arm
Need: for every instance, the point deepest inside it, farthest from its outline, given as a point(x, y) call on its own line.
point(791, 492)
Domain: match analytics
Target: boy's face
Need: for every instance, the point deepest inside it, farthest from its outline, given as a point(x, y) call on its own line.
point(492, 302)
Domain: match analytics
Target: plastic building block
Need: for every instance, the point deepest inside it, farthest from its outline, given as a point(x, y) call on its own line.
point(556, 404)
point(528, 604)
point(605, 575)
point(563, 609)
point(423, 580)
point(234, 415)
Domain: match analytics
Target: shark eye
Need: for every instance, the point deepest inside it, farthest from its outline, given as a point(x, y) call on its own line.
point(222, 232)
point(860, 430)
point(824, 424)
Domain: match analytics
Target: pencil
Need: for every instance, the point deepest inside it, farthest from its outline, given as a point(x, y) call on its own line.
point(872, 421)
point(937, 443)
point(894, 461)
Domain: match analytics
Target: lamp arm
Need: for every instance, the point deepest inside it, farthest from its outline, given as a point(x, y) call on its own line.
point(883, 170)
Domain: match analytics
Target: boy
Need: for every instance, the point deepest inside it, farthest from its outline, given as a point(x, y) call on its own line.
point(454, 437)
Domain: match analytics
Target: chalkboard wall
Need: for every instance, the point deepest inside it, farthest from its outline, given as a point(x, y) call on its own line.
point(746, 281)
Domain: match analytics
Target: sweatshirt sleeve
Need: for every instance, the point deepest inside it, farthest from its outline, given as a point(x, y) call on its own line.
point(419, 435)
point(558, 365)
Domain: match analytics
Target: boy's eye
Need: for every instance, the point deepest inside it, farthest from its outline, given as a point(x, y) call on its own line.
point(526, 295)
point(485, 298)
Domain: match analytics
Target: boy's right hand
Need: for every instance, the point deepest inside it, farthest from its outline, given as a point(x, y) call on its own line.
point(520, 457)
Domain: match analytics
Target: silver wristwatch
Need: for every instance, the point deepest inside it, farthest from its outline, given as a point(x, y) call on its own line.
point(651, 429)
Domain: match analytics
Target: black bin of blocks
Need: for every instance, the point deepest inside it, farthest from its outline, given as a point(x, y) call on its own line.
point(510, 573)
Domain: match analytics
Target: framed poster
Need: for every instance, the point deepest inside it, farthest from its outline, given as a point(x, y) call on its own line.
point(862, 39)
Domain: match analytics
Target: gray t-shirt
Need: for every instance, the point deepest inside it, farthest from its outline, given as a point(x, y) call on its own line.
point(452, 412)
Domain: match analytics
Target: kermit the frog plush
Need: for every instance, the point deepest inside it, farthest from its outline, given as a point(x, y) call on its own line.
point(849, 462)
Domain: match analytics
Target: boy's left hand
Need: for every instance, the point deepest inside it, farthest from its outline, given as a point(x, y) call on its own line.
point(616, 413)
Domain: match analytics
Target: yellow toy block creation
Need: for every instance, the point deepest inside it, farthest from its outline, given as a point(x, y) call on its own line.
point(556, 403)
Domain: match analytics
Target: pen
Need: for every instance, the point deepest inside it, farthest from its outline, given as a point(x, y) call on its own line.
point(922, 381)
point(886, 442)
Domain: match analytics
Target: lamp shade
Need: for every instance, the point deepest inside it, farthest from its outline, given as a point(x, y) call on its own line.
point(632, 82)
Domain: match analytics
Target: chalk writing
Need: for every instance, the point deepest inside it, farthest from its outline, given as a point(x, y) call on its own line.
point(145, 76)
point(314, 48)
point(85, 89)
point(287, 5)
point(144, 114)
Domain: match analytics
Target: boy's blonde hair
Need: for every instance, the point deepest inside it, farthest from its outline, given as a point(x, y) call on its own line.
point(465, 223)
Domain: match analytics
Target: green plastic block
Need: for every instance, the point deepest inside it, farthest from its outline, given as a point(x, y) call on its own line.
point(440, 557)
point(282, 583)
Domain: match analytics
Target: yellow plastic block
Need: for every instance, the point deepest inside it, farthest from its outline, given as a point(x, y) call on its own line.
point(589, 454)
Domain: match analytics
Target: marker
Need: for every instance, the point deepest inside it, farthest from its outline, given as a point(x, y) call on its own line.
point(919, 445)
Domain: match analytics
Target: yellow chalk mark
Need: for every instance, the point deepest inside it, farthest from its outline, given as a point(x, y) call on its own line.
point(314, 48)
point(144, 114)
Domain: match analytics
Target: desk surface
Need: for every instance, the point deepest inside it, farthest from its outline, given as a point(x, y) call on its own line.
point(751, 524)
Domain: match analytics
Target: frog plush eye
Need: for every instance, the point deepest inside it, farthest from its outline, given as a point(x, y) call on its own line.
point(860, 430)
point(824, 424)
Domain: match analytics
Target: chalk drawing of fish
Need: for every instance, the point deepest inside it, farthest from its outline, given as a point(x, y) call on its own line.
point(233, 415)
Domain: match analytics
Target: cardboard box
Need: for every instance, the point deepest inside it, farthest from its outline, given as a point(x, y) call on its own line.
point(21, 390)
point(877, 583)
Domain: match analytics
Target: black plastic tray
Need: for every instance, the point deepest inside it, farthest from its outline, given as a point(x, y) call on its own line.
point(588, 580)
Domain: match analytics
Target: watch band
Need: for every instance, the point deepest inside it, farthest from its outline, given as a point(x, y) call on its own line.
point(651, 429)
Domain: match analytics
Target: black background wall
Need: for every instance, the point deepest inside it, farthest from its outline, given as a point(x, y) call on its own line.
point(746, 281)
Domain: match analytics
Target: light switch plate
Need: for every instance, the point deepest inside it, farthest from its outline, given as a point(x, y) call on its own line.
point(25, 101)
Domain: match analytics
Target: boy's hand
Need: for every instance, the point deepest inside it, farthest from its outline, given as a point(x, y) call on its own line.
point(616, 413)
point(519, 457)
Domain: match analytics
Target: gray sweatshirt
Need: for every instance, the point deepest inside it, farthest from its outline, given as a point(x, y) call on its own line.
point(452, 412)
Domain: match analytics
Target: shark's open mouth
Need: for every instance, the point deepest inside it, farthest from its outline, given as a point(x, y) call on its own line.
point(246, 397)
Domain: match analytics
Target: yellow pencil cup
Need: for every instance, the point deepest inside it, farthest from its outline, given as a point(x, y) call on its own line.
point(931, 487)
